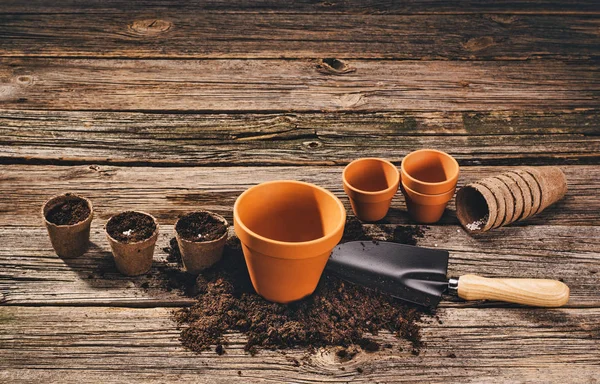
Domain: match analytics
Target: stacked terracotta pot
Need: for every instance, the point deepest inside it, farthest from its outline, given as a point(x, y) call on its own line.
point(428, 183)
point(511, 196)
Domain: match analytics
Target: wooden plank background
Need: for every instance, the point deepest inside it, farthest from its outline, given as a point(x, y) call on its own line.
point(167, 106)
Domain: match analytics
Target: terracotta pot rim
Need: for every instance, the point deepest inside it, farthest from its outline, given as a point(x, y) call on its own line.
point(426, 195)
point(49, 223)
point(337, 231)
point(426, 183)
point(210, 242)
point(393, 187)
point(154, 234)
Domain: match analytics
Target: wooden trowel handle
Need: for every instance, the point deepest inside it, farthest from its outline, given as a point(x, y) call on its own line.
point(534, 292)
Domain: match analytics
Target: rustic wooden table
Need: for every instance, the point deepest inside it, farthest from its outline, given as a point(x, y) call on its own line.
point(168, 107)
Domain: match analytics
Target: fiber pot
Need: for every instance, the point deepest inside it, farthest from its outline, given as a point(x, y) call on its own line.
point(370, 184)
point(476, 207)
point(287, 230)
point(426, 209)
point(135, 257)
point(429, 172)
point(71, 240)
point(515, 195)
point(552, 183)
point(199, 255)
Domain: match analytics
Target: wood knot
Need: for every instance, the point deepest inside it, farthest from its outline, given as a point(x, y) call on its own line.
point(150, 27)
point(312, 144)
point(479, 43)
point(25, 80)
point(333, 66)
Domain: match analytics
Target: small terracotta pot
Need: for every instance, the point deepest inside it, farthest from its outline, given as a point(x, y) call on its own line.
point(370, 184)
point(287, 230)
point(429, 172)
point(426, 209)
point(68, 241)
point(133, 259)
point(199, 255)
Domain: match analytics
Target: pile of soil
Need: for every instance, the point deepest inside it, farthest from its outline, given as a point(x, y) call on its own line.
point(200, 226)
point(130, 227)
point(337, 314)
point(69, 212)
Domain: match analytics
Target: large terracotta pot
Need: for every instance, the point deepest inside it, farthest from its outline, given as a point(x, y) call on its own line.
point(287, 230)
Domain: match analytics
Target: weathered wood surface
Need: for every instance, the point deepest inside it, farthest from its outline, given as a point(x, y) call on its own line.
point(180, 33)
point(239, 89)
point(171, 191)
point(290, 85)
point(434, 7)
point(130, 138)
point(560, 243)
point(34, 276)
point(124, 344)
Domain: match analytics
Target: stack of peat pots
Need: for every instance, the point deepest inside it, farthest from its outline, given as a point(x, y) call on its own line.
point(516, 195)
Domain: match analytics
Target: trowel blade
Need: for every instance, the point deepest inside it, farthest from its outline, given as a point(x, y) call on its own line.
point(410, 273)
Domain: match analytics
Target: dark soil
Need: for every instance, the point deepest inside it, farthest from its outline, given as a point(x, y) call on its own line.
point(130, 227)
point(200, 226)
point(69, 212)
point(337, 314)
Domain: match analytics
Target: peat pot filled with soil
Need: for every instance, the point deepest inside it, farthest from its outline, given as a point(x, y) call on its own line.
point(68, 219)
point(201, 236)
point(132, 236)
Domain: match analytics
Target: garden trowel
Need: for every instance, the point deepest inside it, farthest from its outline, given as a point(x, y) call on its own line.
point(418, 275)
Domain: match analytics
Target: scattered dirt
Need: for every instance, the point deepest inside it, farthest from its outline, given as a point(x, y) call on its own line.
point(200, 226)
point(69, 212)
point(337, 314)
point(408, 234)
point(130, 227)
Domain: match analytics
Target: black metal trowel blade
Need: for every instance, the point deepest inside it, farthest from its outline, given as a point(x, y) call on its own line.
point(409, 273)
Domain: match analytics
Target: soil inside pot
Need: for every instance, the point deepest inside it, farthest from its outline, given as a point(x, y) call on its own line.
point(69, 212)
point(200, 227)
point(337, 314)
point(130, 227)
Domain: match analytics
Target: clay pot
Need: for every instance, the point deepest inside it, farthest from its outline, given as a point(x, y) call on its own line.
point(133, 258)
point(287, 230)
point(429, 172)
point(370, 184)
point(68, 241)
point(426, 209)
point(199, 255)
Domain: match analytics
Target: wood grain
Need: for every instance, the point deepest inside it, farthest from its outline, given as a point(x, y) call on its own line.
point(34, 276)
point(560, 243)
point(434, 7)
point(123, 344)
point(487, 138)
point(285, 86)
point(171, 191)
point(181, 33)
